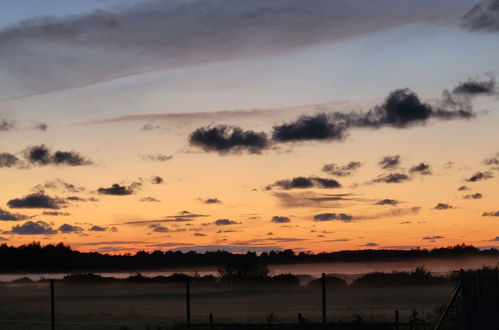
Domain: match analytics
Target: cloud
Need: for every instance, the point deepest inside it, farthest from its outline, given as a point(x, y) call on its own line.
point(311, 199)
point(476, 87)
point(33, 228)
point(492, 161)
point(305, 182)
point(225, 222)
point(315, 127)
point(370, 244)
point(392, 178)
point(6, 125)
point(117, 190)
point(421, 168)
point(341, 170)
point(280, 219)
point(199, 234)
point(154, 35)
point(473, 196)
point(391, 213)
point(496, 239)
point(463, 188)
point(41, 155)
point(41, 127)
point(228, 139)
point(9, 160)
point(56, 213)
point(443, 206)
point(156, 157)
point(149, 199)
point(161, 229)
point(389, 162)
point(60, 185)
point(36, 201)
point(183, 216)
point(67, 229)
point(387, 202)
point(228, 248)
point(333, 217)
point(97, 228)
point(480, 176)
point(431, 238)
point(9, 216)
point(157, 180)
point(484, 16)
point(211, 201)
point(490, 214)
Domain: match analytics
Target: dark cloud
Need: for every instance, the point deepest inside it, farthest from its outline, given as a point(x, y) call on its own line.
point(392, 178)
point(463, 188)
point(389, 162)
point(473, 196)
point(280, 219)
point(211, 201)
point(305, 182)
point(6, 125)
point(496, 239)
point(161, 229)
point(157, 180)
point(370, 244)
point(443, 206)
point(480, 176)
point(387, 202)
point(97, 228)
point(36, 201)
point(490, 214)
point(228, 139)
point(67, 229)
point(476, 87)
point(117, 190)
point(333, 217)
point(42, 156)
point(225, 222)
point(156, 157)
point(9, 160)
point(149, 199)
point(421, 168)
point(33, 228)
point(41, 127)
point(9, 216)
point(315, 127)
point(199, 234)
point(341, 170)
point(484, 16)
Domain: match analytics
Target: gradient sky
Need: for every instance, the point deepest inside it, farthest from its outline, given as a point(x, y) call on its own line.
point(96, 93)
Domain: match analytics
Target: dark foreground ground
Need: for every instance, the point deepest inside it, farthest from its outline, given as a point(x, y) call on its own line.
point(155, 306)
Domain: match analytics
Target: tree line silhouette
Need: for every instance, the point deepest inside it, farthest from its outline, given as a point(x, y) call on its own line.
point(34, 257)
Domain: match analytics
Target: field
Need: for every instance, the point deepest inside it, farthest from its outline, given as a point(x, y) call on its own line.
point(161, 305)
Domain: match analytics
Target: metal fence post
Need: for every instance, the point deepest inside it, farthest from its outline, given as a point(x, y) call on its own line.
point(397, 326)
point(324, 319)
point(52, 305)
point(188, 301)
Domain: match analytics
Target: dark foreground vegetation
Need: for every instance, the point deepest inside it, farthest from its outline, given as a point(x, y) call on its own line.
point(61, 258)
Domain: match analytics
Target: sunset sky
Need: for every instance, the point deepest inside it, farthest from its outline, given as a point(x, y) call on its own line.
point(321, 125)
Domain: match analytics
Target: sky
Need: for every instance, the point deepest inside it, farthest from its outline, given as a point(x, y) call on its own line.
point(249, 125)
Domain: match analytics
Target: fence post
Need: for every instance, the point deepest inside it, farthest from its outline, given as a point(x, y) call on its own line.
point(324, 319)
point(212, 326)
point(188, 301)
point(52, 305)
point(397, 325)
point(300, 318)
